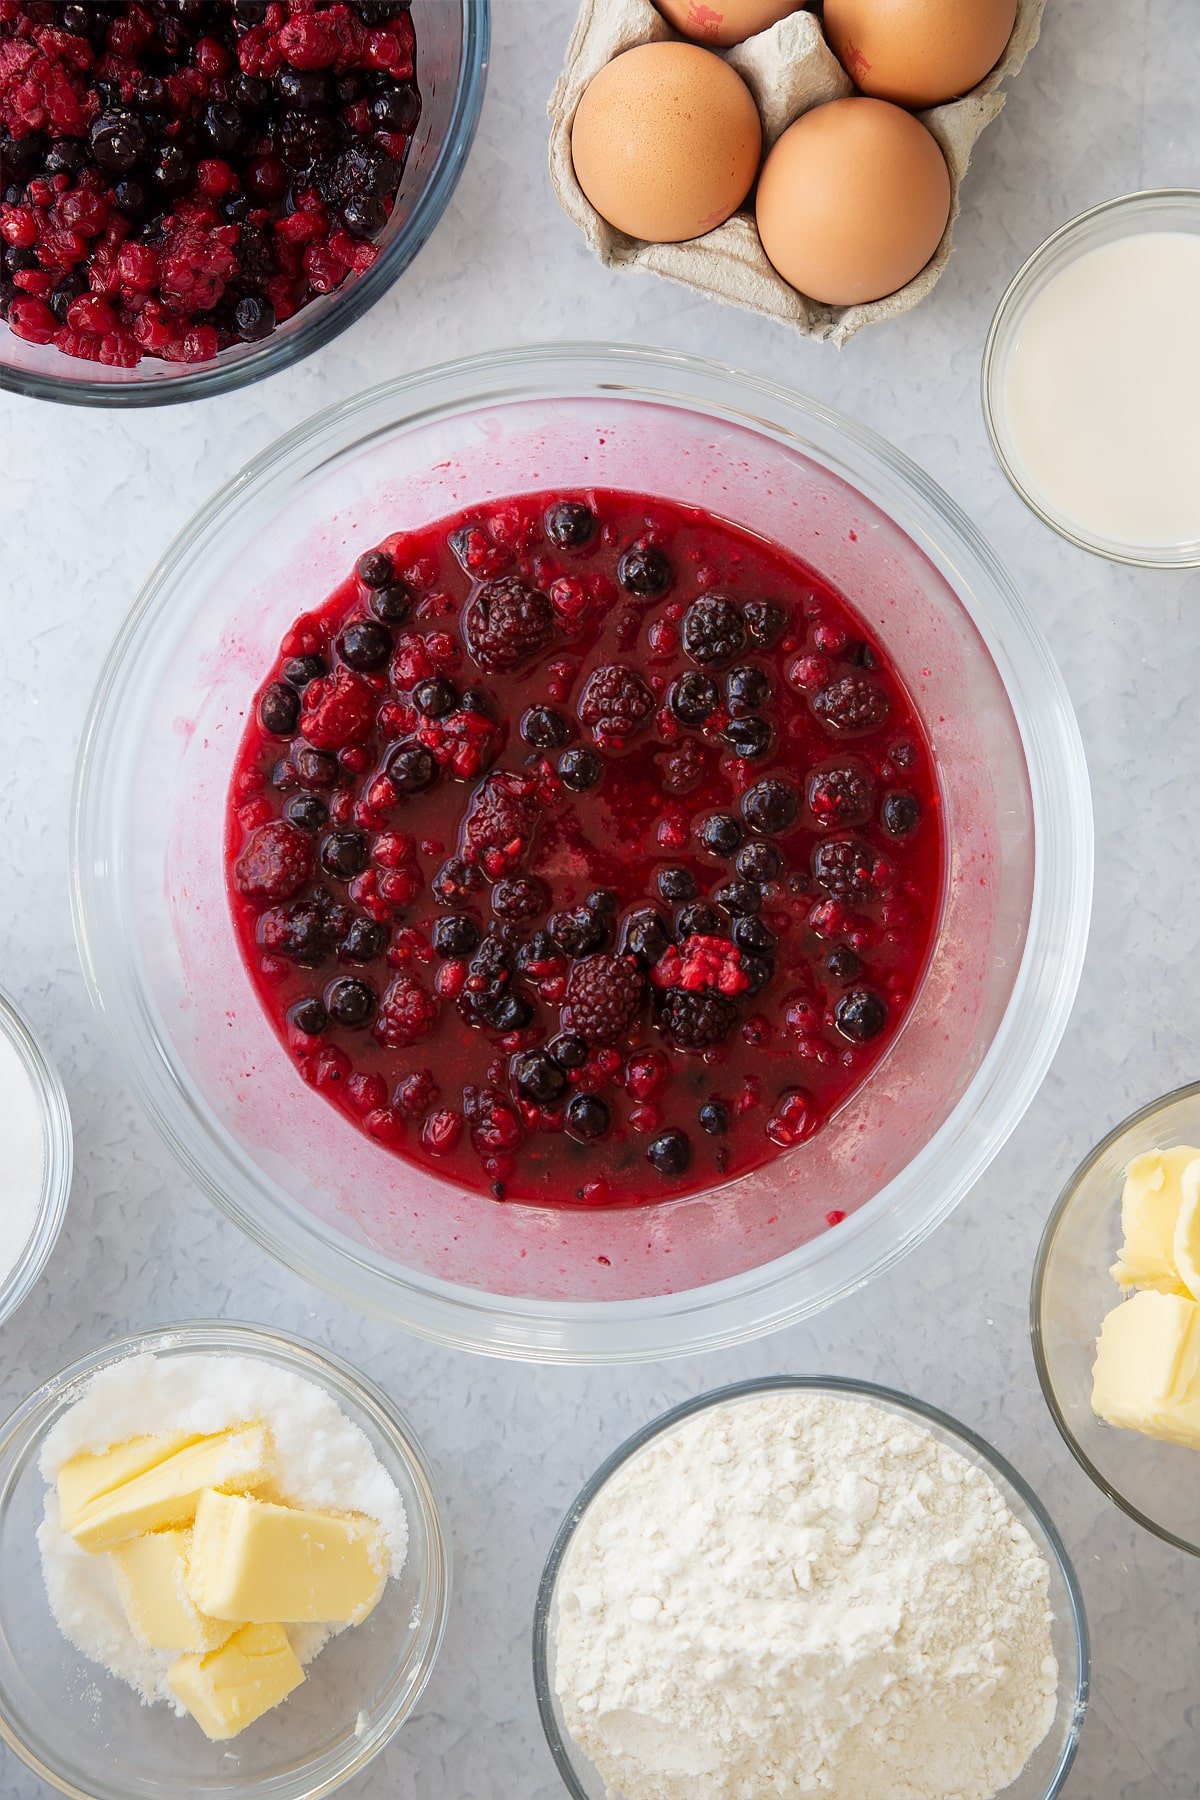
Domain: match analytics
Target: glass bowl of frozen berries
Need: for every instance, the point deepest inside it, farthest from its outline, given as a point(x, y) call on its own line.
point(194, 196)
point(583, 852)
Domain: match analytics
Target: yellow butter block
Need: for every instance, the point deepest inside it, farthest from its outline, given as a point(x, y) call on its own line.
point(85, 1478)
point(1150, 1207)
point(1146, 1376)
point(150, 1574)
point(165, 1495)
point(229, 1688)
point(251, 1559)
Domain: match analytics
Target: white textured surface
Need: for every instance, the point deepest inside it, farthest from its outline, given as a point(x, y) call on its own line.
point(1107, 103)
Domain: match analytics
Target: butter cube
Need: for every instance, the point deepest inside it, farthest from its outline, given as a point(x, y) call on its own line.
point(1146, 1375)
point(150, 1575)
point(85, 1478)
point(229, 1688)
point(1150, 1207)
point(165, 1494)
point(251, 1559)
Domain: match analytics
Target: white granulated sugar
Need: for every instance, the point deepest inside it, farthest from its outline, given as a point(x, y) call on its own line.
point(797, 1594)
point(322, 1460)
point(23, 1165)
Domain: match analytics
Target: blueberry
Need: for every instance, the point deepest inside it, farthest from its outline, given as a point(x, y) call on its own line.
point(738, 898)
point(309, 1016)
point(697, 920)
point(720, 833)
point(365, 644)
point(68, 289)
point(570, 524)
point(758, 970)
point(568, 1051)
point(669, 1153)
point(901, 814)
point(676, 884)
point(714, 1118)
point(66, 156)
point(537, 1077)
point(646, 571)
point(693, 698)
point(306, 812)
point(315, 768)
point(307, 90)
point(769, 807)
point(118, 140)
point(279, 709)
point(411, 769)
point(396, 107)
point(344, 853)
point(579, 932)
point(374, 569)
point(748, 738)
point(434, 697)
point(758, 862)
point(364, 941)
point(171, 171)
point(391, 603)
point(544, 729)
point(223, 126)
point(512, 1012)
point(130, 196)
point(765, 622)
point(747, 689)
point(860, 1015)
point(843, 965)
point(579, 769)
point(365, 215)
point(254, 317)
point(456, 935)
point(645, 937)
point(750, 934)
point(587, 1117)
point(350, 1001)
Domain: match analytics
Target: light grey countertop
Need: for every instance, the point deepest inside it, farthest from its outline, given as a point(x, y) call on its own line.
point(1110, 101)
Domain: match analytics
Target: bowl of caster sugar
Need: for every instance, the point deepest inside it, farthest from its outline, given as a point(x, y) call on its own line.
point(809, 1586)
point(35, 1169)
point(226, 1570)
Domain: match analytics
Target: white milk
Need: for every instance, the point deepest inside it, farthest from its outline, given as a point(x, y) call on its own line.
point(1102, 392)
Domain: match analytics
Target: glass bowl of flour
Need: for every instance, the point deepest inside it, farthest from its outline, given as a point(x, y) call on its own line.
point(800, 1585)
point(35, 1170)
point(73, 1683)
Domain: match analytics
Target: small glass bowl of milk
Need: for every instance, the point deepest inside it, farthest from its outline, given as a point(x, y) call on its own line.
point(36, 1157)
point(1091, 380)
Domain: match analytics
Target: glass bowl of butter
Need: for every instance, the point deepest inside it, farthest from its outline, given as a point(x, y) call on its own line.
point(226, 1571)
point(1115, 1316)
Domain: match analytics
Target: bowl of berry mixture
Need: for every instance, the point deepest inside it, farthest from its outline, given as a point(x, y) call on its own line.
point(197, 195)
point(583, 853)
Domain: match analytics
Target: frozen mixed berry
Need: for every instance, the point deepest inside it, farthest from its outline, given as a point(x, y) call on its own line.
point(697, 920)
point(900, 814)
point(770, 806)
point(506, 624)
point(391, 604)
point(411, 768)
point(375, 568)
point(337, 710)
point(852, 705)
point(645, 571)
point(844, 795)
point(570, 524)
point(365, 941)
point(713, 630)
point(308, 1016)
point(522, 897)
point(645, 937)
point(499, 824)
point(749, 933)
point(860, 1015)
point(308, 811)
point(604, 997)
point(737, 898)
point(407, 1013)
point(568, 1051)
point(434, 697)
point(615, 704)
point(578, 931)
point(696, 1020)
point(344, 853)
point(843, 964)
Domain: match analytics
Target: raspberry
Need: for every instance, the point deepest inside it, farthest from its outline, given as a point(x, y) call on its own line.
point(841, 796)
point(275, 863)
point(850, 869)
point(441, 1132)
point(464, 743)
point(407, 1013)
point(338, 710)
point(493, 1121)
point(702, 962)
point(507, 623)
point(498, 828)
point(696, 1020)
point(604, 997)
point(615, 704)
point(415, 1094)
point(299, 932)
point(713, 630)
point(794, 1119)
point(852, 705)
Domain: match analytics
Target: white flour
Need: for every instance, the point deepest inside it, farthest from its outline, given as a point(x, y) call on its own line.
point(23, 1164)
point(322, 1460)
point(795, 1594)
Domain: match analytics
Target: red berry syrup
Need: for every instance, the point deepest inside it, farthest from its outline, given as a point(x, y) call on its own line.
point(585, 851)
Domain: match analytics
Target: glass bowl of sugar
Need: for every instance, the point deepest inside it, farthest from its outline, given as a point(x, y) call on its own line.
point(35, 1169)
point(1091, 380)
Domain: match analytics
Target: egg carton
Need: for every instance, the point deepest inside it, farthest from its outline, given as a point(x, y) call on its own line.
point(789, 69)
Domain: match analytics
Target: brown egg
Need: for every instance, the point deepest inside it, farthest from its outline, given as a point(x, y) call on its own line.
point(666, 142)
point(919, 52)
point(853, 201)
point(725, 22)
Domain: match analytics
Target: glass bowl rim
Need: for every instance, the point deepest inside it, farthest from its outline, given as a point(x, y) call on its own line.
point(923, 1411)
point(350, 302)
point(597, 1332)
point(1005, 317)
point(1190, 1090)
point(57, 1176)
point(328, 1370)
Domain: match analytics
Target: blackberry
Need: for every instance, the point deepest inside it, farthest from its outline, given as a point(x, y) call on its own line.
point(537, 1077)
point(365, 644)
point(748, 738)
point(675, 884)
point(506, 623)
point(697, 920)
point(456, 935)
point(646, 571)
point(850, 869)
point(860, 1015)
point(841, 796)
point(350, 1002)
point(693, 698)
point(747, 689)
point(695, 1019)
point(570, 524)
point(579, 769)
point(587, 1117)
point(851, 705)
point(770, 806)
point(300, 933)
point(758, 862)
point(578, 932)
point(615, 703)
point(713, 630)
point(279, 709)
point(456, 881)
point(669, 1153)
point(765, 623)
point(900, 813)
point(522, 897)
point(720, 833)
point(604, 997)
point(544, 729)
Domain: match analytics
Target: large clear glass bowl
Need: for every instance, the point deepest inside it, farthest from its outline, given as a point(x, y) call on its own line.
point(451, 64)
point(1157, 1484)
point(1046, 1771)
point(57, 1159)
point(90, 1736)
point(154, 929)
